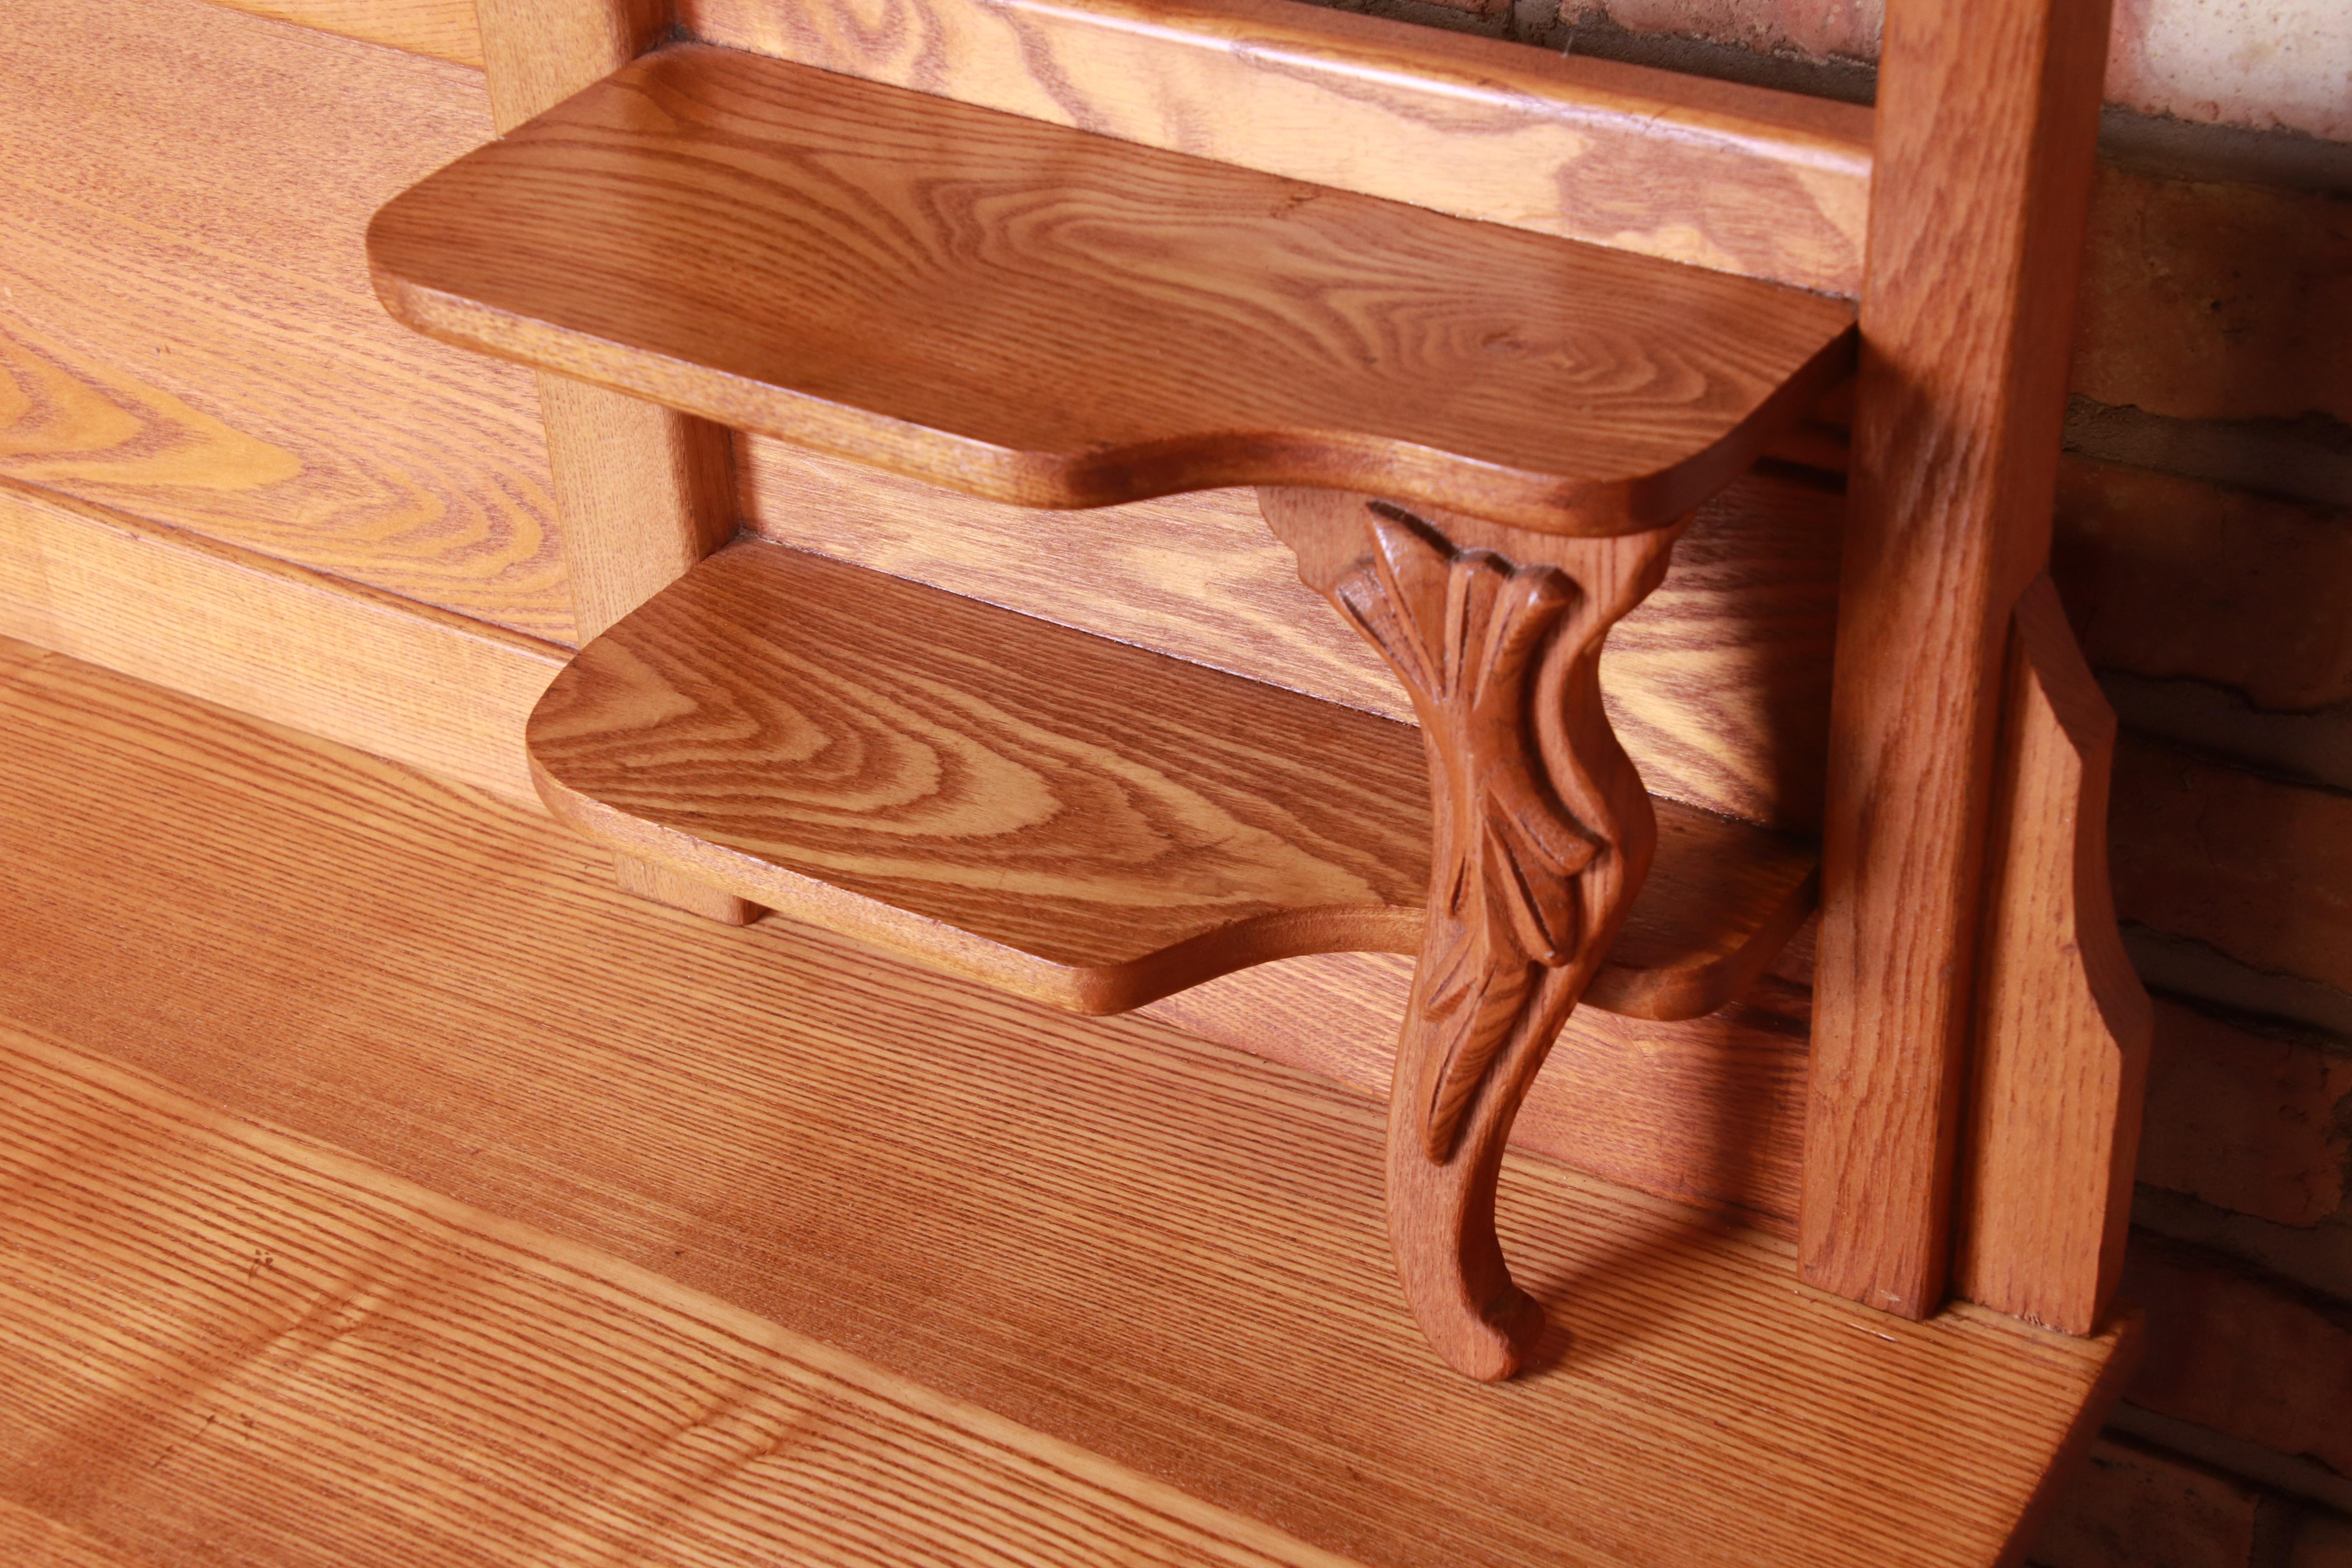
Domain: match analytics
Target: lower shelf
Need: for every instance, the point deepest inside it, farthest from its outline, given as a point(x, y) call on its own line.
point(1167, 1254)
point(1068, 817)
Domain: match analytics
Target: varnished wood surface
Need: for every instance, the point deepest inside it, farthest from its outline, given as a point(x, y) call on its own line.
point(1541, 839)
point(2064, 1028)
point(1041, 316)
point(644, 491)
point(1709, 1111)
point(1717, 684)
point(1076, 819)
point(219, 1341)
point(445, 29)
point(187, 331)
point(329, 657)
point(1146, 1245)
point(33, 1538)
point(1669, 164)
point(1987, 120)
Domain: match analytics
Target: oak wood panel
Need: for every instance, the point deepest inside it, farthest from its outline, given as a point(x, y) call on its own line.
point(1737, 178)
point(186, 330)
point(2061, 1062)
point(537, 53)
point(1708, 1111)
point(1067, 817)
point(32, 1539)
point(446, 29)
point(1151, 1247)
point(1717, 684)
point(1046, 317)
point(331, 658)
point(14, 653)
point(644, 491)
point(1987, 120)
point(225, 1343)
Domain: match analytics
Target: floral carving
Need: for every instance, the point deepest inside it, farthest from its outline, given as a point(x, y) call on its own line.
point(1543, 835)
point(1463, 629)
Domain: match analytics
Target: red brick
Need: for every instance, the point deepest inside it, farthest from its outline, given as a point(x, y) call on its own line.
point(2215, 302)
point(2261, 869)
point(2241, 1353)
point(2245, 1121)
point(2323, 1540)
point(2176, 577)
point(1816, 28)
point(2131, 1507)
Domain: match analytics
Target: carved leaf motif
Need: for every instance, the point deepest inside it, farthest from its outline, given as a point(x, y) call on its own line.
point(1464, 630)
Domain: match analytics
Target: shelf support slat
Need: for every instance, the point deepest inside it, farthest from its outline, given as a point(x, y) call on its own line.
point(1987, 120)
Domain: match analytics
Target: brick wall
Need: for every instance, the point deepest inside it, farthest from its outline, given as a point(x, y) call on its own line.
point(2204, 550)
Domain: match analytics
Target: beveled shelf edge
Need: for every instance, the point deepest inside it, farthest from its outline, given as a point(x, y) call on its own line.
point(1671, 993)
point(1665, 994)
point(1093, 991)
point(1081, 482)
point(1687, 984)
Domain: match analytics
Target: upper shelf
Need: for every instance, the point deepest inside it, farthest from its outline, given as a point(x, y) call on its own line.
point(1038, 315)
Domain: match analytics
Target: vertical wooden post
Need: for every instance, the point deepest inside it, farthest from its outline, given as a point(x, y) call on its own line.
point(643, 492)
point(1988, 117)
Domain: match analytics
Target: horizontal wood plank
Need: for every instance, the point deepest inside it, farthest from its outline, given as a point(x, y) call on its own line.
point(1709, 1111)
point(1071, 817)
point(331, 657)
point(186, 329)
point(1768, 183)
point(1041, 316)
point(1146, 1245)
point(218, 1341)
point(1717, 684)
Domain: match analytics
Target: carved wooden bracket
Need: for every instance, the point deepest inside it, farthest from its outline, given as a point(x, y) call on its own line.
point(1543, 836)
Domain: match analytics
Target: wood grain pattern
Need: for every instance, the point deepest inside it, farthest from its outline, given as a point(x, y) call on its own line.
point(446, 29)
point(186, 330)
point(1709, 1111)
point(1987, 125)
point(223, 1341)
point(1068, 817)
point(1671, 165)
point(387, 675)
point(650, 880)
point(1543, 836)
point(2065, 1026)
point(1045, 317)
point(537, 53)
point(1717, 683)
point(32, 1537)
point(1145, 1245)
point(644, 491)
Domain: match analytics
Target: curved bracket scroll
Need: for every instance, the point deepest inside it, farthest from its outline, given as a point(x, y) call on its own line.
point(1543, 836)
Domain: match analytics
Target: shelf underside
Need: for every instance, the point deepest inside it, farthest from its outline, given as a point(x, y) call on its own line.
point(1073, 818)
point(1035, 314)
point(1170, 1255)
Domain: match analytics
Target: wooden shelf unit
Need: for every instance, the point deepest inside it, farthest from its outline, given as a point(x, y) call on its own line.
point(1481, 444)
point(1482, 480)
